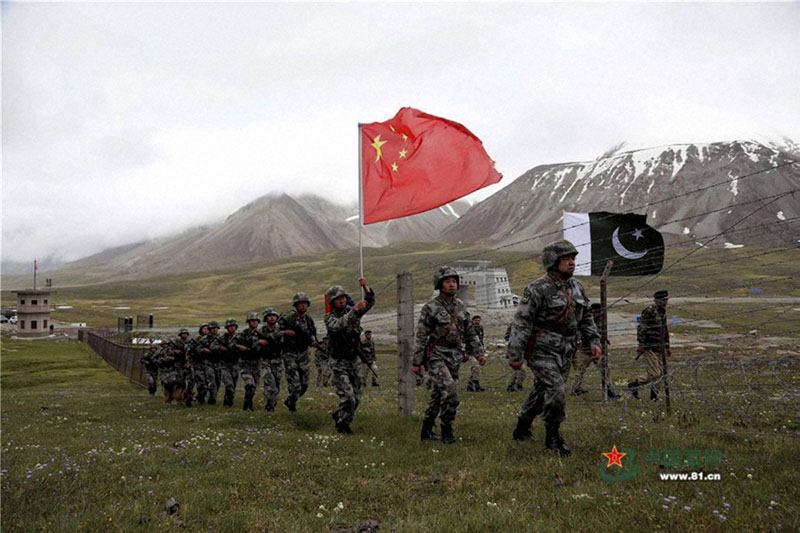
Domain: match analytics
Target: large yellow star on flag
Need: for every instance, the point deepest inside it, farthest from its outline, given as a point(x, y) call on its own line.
point(614, 457)
point(377, 143)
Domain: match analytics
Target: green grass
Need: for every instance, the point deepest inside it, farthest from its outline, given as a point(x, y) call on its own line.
point(237, 289)
point(84, 449)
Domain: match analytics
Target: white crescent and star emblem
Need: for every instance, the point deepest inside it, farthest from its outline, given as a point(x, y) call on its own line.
point(624, 252)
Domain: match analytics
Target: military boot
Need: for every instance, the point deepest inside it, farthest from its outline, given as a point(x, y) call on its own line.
point(427, 430)
point(228, 400)
point(554, 441)
point(152, 390)
point(523, 430)
point(612, 394)
point(510, 388)
point(291, 404)
point(653, 394)
point(478, 387)
point(633, 387)
point(343, 428)
point(447, 434)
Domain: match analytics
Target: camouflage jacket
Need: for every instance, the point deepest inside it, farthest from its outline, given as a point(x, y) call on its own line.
point(249, 339)
point(368, 349)
point(149, 361)
point(274, 338)
point(165, 357)
point(548, 320)
point(344, 330)
point(444, 332)
point(479, 332)
point(228, 348)
point(305, 332)
point(208, 342)
point(652, 328)
point(321, 354)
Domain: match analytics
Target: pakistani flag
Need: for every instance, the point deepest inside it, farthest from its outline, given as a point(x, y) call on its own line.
point(636, 248)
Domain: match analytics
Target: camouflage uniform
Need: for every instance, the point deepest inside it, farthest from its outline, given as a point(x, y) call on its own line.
point(150, 368)
point(208, 350)
point(167, 371)
point(651, 333)
point(249, 359)
point(344, 345)
point(295, 350)
point(229, 361)
point(271, 363)
point(179, 349)
point(323, 363)
point(583, 358)
point(196, 362)
point(544, 333)
point(474, 383)
point(444, 332)
point(368, 349)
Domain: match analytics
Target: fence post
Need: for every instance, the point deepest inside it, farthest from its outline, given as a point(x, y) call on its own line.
point(604, 329)
point(405, 343)
point(663, 350)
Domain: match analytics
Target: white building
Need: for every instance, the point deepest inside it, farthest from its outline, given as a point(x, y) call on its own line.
point(484, 287)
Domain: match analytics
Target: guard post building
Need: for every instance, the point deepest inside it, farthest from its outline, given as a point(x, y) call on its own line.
point(33, 312)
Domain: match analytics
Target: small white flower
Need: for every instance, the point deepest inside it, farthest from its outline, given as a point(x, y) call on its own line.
point(319, 515)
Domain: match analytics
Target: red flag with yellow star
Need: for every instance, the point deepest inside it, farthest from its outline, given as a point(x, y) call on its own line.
point(415, 162)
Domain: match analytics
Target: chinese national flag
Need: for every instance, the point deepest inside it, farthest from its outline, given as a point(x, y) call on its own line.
point(415, 162)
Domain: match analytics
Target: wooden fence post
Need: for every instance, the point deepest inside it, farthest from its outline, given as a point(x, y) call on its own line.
point(405, 343)
point(604, 329)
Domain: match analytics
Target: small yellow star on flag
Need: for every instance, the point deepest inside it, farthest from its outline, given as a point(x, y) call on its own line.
point(394, 167)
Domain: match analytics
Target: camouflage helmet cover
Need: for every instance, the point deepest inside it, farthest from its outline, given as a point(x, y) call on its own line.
point(253, 316)
point(334, 292)
point(231, 322)
point(203, 325)
point(270, 311)
point(213, 324)
point(300, 297)
point(444, 272)
point(553, 251)
point(182, 331)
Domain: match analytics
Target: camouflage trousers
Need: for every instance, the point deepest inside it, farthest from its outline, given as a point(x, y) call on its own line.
point(271, 370)
point(580, 362)
point(443, 401)
point(548, 395)
point(227, 372)
point(348, 383)
point(517, 379)
point(250, 375)
point(298, 368)
point(653, 372)
point(367, 374)
point(151, 378)
point(207, 378)
point(323, 373)
point(474, 368)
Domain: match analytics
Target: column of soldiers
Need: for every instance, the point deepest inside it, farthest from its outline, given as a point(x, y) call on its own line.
point(553, 328)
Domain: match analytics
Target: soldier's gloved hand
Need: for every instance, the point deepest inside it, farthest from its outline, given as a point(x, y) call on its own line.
point(416, 369)
point(362, 282)
point(223, 348)
point(481, 360)
point(516, 365)
point(361, 305)
point(640, 350)
point(290, 332)
point(205, 350)
point(262, 342)
point(242, 348)
point(597, 352)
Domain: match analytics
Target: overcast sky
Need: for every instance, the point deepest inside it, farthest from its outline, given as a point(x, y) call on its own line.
point(127, 121)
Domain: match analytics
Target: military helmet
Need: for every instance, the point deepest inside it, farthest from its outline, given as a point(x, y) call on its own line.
point(182, 331)
point(203, 325)
point(444, 272)
point(253, 316)
point(152, 346)
point(553, 251)
point(300, 297)
point(213, 324)
point(270, 311)
point(231, 322)
point(334, 292)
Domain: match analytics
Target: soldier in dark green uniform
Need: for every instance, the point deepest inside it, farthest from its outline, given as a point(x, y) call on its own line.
point(554, 309)
point(652, 335)
point(229, 359)
point(208, 348)
point(444, 331)
point(474, 383)
point(370, 366)
point(270, 345)
point(344, 345)
point(299, 333)
point(249, 359)
point(150, 368)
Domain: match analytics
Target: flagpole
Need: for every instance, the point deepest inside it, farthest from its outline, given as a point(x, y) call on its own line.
point(360, 206)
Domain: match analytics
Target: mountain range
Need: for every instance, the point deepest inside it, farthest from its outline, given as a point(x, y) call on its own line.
point(662, 183)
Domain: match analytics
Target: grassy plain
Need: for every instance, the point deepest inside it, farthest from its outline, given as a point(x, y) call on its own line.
point(83, 449)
